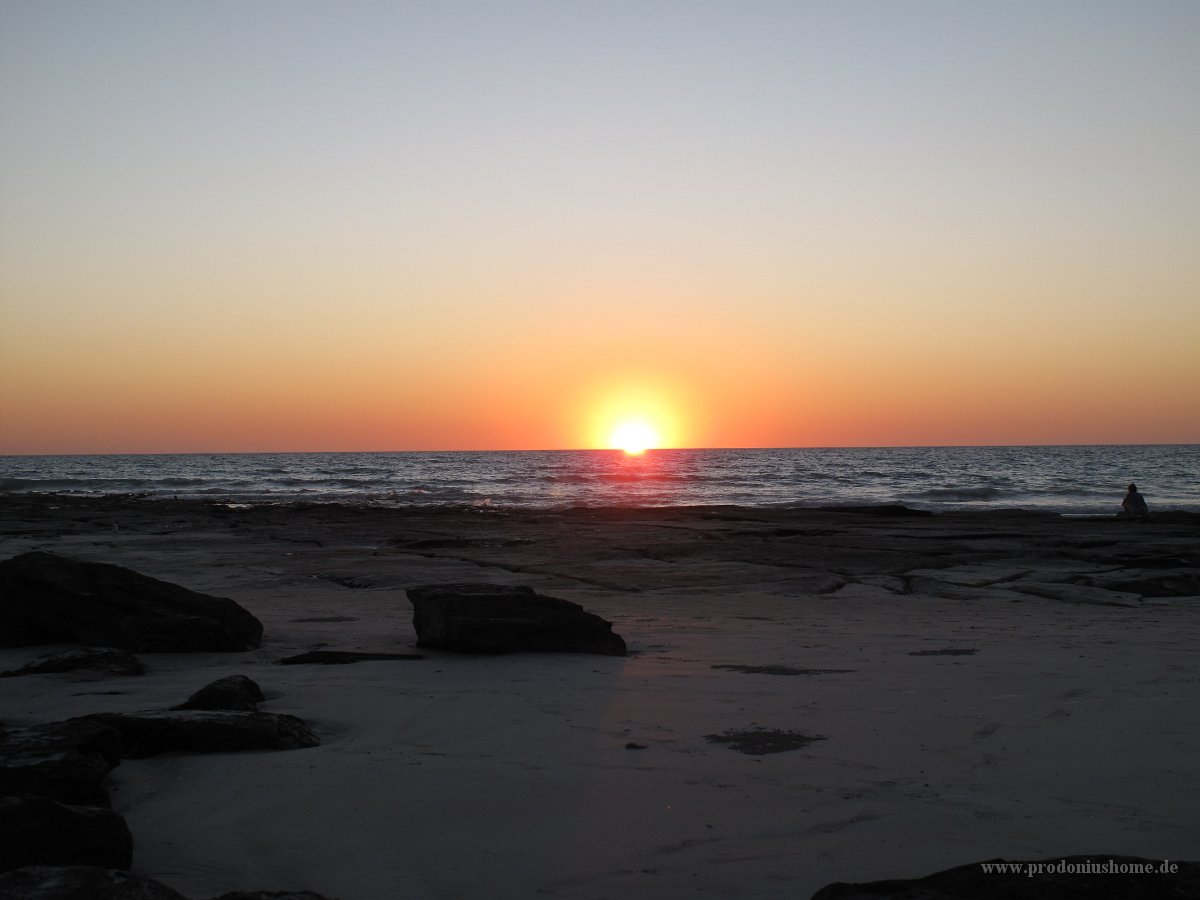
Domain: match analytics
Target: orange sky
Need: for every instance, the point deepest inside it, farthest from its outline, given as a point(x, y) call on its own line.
point(478, 227)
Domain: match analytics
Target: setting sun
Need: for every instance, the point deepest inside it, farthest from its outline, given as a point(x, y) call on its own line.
point(634, 437)
point(636, 411)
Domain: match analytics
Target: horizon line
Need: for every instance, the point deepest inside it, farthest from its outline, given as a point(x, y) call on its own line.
point(649, 450)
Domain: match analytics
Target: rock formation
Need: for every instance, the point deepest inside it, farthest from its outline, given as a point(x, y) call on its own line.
point(204, 731)
point(493, 618)
point(47, 599)
point(107, 660)
point(236, 692)
point(37, 831)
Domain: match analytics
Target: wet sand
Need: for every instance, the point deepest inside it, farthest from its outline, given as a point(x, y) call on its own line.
point(941, 689)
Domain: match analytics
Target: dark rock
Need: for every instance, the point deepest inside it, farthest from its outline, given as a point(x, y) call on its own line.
point(1066, 878)
point(45, 598)
point(65, 761)
point(231, 692)
point(761, 741)
point(780, 670)
point(204, 731)
point(1177, 584)
point(890, 510)
point(341, 657)
point(271, 895)
point(98, 659)
point(492, 618)
point(37, 831)
point(945, 651)
point(1153, 562)
point(81, 883)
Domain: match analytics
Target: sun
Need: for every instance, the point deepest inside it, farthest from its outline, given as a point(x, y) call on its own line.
point(635, 437)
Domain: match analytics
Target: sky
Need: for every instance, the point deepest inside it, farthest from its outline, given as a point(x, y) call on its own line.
point(271, 225)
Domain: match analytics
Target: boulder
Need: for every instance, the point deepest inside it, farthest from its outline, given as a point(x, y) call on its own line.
point(37, 831)
point(97, 659)
point(204, 731)
point(81, 883)
point(47, 599)
point(493, 618)
point(65, 761)
point(1065, 878)
point(231, 692)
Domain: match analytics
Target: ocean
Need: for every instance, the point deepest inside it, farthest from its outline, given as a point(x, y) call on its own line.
point(1064, 479)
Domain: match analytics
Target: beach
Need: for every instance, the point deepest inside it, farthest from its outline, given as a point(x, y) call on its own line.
point(956, 687)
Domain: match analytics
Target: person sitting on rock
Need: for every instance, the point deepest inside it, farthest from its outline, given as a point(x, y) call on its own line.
point(1134, 504)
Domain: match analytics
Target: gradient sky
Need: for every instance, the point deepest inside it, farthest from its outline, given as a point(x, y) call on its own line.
point(262, 225)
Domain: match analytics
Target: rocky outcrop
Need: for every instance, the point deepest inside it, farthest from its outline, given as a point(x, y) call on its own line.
point(94, 883)
point(492, 618)
point(342, 657)
point(46, 599)
point(65, 761)
point(235, 692)
point(36, 831)
point(203, 731)
point(81, 883)
point(271, 895)
point(107, 660)
point(1066, 878)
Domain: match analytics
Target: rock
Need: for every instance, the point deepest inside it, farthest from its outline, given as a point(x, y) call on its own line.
point(45, 599)
point(1175, 584)
point(341, 657)
point(204, 731)
point(98, 659)
point(231, 692)
point(761, 741)
point(94, 883)
point(81, 883)
point(1075, 593)
point(1066, 878)
point(37, 831)
point(65, 761)
point(271, 895)
point(492, 618)
point(779, 670)
point(890, 510)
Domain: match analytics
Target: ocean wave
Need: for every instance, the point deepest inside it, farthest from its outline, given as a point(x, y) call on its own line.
point(53, 485)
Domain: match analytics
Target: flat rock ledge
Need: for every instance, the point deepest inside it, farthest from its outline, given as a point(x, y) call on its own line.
point(204, 731)
point(95, 883)
point(108, 660)
point(1099, 877)
point(342, 658)
point(64, 761)
point(47, 599)
point(39, 831)
point(493, 618)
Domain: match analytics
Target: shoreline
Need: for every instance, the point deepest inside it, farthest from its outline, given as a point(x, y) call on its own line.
point(1065, 730)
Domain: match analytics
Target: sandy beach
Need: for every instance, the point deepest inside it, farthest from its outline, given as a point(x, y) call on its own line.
point(975, 686)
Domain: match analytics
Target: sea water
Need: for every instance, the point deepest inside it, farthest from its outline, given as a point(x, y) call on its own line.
point(1081, 479)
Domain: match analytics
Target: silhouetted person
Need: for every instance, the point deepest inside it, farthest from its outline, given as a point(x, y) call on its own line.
point(1134, 504)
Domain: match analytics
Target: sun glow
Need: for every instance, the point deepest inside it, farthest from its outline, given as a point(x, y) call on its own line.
point(635, 413)
point(634, 437)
